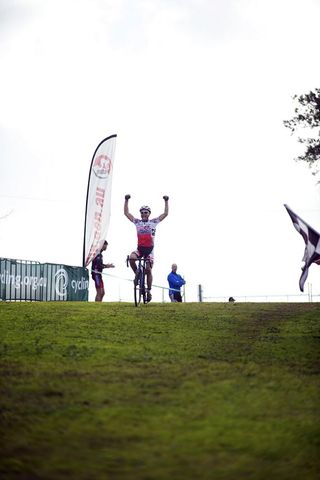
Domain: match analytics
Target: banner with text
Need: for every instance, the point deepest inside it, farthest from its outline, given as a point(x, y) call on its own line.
point(27, 280)
point(98, 205)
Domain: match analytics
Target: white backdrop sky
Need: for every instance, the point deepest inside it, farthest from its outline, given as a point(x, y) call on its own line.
point(197, 91)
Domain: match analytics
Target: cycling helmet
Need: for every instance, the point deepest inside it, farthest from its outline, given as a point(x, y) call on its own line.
point(145, 207)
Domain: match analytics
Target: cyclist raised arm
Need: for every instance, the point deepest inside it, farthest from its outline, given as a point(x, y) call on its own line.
point(166, 208)
point(146, 230)
point(126, 208)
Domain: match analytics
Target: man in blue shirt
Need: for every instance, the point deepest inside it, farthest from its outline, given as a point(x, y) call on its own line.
point(175, 283)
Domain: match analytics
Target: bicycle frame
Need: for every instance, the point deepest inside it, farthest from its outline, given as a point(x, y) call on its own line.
point(140, 290)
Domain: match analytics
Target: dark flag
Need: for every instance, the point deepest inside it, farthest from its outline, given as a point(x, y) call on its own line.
point(312, 241)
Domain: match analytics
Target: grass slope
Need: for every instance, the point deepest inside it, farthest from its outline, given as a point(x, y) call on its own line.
point(163, 391)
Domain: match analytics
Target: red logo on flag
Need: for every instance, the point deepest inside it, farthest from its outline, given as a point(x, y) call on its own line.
point(102, 166)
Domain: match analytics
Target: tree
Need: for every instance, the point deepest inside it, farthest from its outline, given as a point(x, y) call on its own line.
point(307, 116)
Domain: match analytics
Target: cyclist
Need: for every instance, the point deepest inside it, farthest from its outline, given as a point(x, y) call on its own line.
point(146, 230)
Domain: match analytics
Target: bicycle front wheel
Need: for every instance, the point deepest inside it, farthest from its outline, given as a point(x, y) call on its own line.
point(139, 289)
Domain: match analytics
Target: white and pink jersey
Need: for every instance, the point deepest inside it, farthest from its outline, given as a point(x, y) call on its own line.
point(146, 231)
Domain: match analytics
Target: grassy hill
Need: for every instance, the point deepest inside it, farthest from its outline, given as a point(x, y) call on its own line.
point(164, 391)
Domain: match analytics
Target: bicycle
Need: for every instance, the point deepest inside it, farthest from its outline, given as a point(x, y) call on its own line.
point(140, 289)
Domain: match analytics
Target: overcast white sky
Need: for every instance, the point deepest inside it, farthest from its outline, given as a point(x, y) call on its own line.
point(197, 91)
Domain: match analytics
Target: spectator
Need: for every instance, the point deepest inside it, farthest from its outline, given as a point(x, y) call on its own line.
point(96, 272)
point(175, 283)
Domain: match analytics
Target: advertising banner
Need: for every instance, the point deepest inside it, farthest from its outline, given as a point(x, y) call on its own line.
point(98, 204)
point(27, 280)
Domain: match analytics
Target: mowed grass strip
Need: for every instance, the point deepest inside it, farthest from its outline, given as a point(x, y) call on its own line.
point(164, 391)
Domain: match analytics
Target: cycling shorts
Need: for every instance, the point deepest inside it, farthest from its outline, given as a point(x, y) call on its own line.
point(98, 281)
point(146, 252)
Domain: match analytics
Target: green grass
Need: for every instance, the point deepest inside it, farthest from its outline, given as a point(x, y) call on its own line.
point(164, 391)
